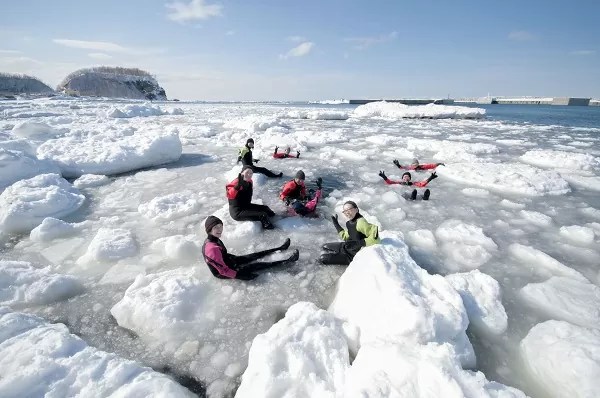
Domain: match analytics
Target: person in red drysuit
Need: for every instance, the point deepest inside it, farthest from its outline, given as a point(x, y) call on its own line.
point(286, 154)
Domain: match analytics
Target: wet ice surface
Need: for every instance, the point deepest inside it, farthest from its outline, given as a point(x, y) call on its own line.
point(516, 201)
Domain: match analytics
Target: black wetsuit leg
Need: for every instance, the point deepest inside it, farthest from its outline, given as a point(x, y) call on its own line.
point(253, 267)
point(336, 254)
point(266, 172)
point(333, 247)
point(251, 213)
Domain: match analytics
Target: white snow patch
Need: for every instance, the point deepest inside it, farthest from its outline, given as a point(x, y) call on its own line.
point(578, 234)
point(543, 264)
point(536, 218)
point(170, 207)
point(561, 160)
point(50, 229)
point(178, 247)
point(318, 115)
point(34, 130)
point(145, 110)
point(394, 110)
point(110, 245)
point(465, 245)
point(91, 180)
point(18, 165)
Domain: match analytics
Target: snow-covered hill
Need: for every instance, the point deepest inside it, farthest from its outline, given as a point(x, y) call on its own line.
point(113, 82)
point(21, 84)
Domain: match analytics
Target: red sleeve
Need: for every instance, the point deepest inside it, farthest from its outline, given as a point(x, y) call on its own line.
point(420, 184)
point(279, 155)
point(214, 255)
point(428, 166)
point(287, 188)
point(392, 182)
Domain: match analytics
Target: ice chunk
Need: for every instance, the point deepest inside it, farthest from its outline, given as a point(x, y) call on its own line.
point(178, 247)
point(578, 234)
point(34, 130)
point(50, 229)
point(111, 153)
point(26, 203)
point(482, 299)
point(318, 115)
point(465, 245)
point(170, 207)
point(394, 110)
point(17, 165)
point(303, 355)
point(254, 123)
point(419, 307)
point(536, 218)
point(566, 299)
point(541, 263)
point(422, 238)
point(476, 192)
point(91, 180)
point(561, 160)
point(21, 283)
point(110, 245)
point(40, 359)
point(564, 358)
point(145, 110)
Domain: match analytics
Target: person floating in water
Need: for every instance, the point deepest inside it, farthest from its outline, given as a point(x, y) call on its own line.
point(416, 166)
point(228, 266)
point(358, 234)
point(406, 180)
point(245, 156)
point(286, 154)
point(241, 208)
point(294, 194)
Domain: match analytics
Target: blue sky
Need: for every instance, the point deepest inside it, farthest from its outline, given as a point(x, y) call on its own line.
point(305, 50)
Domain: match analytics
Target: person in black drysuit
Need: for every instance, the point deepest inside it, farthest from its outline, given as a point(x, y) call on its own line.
point(241, 208)
point(245, 155)
point(359, 233)
point(228, 266)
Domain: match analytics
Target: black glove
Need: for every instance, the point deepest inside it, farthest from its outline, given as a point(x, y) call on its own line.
point(239, 158)
point(433, 176)
point(287, 201)
point(245, 275)
point(336, 224)
point(239, 181)
point(297, 154)
point(276, 148)
point(382, 175)
point(256, 160)
point(397, 163)
point(319, 182)
point(441, 164)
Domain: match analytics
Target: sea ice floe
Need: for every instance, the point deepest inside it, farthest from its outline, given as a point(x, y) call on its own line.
point(465, 246)
point(19, 165)
point(561, 160)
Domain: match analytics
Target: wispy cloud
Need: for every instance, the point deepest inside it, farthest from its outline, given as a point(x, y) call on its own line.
point(195, 10)
point(362, 43)
point(299, 51)
point(521, 35)
point(99, 56)
point(92, 45)
point(296, 39)
point(103, 47)
point(583, 52)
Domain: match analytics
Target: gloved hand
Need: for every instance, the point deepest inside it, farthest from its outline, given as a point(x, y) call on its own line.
point(239, 181)
point(397, 163)
point(319, 182)
point(433, 176)
point(336, 223)
point(382, 175)
point(239, 159)
point(256, 160)
point(297, 154)
point(276, 148)
point(287, 201)
point(245, 275)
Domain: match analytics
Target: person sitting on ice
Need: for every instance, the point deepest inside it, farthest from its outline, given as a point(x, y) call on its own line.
point(245, 155)
point(294, 194)
point(416, 166)
point(406, 180)
point(285, 154)
point(225, 265)
point(239, 195)
point(358, 234)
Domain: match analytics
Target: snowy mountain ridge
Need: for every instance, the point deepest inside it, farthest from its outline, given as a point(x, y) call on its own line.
point(21, 84)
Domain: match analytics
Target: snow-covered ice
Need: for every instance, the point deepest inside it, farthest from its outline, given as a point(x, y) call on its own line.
point(110, 245)
point(564, 359)
point(433, 111)
point(18, 165)
point(561, 160)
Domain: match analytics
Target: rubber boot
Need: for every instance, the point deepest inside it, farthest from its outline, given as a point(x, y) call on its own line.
point(413, 195)
point(285, 245)
point(266, 224)
point(426, 194)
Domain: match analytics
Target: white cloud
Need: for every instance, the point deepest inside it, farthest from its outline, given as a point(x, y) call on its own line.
point(521, 35)
point(99, 56)
point(92, 45)
point(107, 47)
point(362, 43)
point(196, 9)
point(583, 52)
point(299, 51)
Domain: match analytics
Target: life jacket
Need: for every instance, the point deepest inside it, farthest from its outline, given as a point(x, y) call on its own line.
point(240, 197)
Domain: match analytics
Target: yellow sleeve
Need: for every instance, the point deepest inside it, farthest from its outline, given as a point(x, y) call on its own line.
point(369, 230)
point(343, 234)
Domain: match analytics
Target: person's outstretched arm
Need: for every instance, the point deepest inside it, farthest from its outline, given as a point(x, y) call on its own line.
point(398, 165)
point(390, 182)
point(429, 166)
point(424, 183)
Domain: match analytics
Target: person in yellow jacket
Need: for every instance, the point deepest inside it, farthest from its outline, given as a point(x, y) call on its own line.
point(358, 234)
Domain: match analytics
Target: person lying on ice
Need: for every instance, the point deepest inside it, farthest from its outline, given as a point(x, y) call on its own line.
point(294, 194)
point(406, 180)
point(416, 166)
point(239, 195)
point(358, 234)
point(245, 155)
point(224, 265)
point(285, 154)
